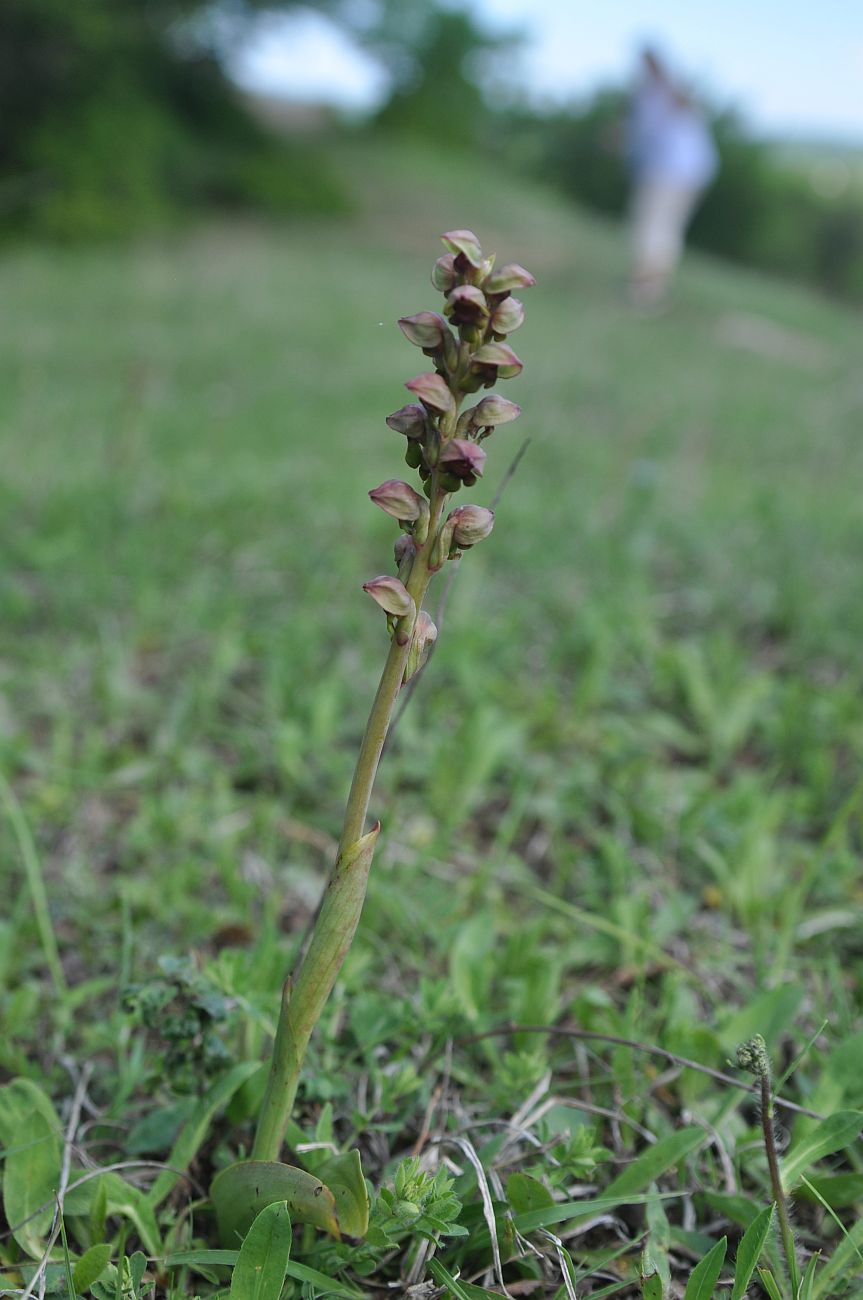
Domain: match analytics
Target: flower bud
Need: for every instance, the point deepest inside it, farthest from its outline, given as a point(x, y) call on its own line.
point(508, 278)
point(471, 524)
point(466, 305)
point(426, 330)
point(391, 594)
point(493, 410)
point(399, 500)
point(507, 316)
point(752, 1056)
point(404, 548)
point(409, 420)
point(464, 242)
point(424, 637)
point(496, 361)
point(463, 459)
point(443, 274)
point(432, 392)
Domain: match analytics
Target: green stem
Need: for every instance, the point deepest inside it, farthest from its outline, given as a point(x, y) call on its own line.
point(776, 1183)
point(304, 999)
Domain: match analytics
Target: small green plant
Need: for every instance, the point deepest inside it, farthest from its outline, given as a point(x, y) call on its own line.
point(466, 345)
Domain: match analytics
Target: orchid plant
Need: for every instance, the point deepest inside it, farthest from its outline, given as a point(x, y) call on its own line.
point(445, 446)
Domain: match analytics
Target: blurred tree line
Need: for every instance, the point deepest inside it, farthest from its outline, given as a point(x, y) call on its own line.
point(119, 114)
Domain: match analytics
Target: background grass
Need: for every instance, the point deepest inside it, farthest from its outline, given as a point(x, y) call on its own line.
point(626, 794)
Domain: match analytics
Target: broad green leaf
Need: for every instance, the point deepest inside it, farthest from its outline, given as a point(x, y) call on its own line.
point(90, 1266)
point(469, 965)
point(259, 1273)
point(705, 1275)
point(526, 1193)
point(137, 1267)
point(98, 1211)
point(768, 1015)
point(845, 1260)
point(655, 1161)
point(651, 1286)
point(833, 1134)
point(108, 1193)
point(17, 1100)
point(843, 1066)
point(343, 1175)
point(241, 1191)
point(807, 1282)
point(771, 1286)
point(838, 1190)
point(196, 1127)
point(749, 1251)
point(734, 1206)
point(31, 1176)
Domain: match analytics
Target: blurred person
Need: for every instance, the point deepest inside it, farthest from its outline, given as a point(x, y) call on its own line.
point(672, 161)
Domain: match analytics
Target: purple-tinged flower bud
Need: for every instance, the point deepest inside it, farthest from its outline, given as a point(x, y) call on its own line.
point(464, 242)
point(409, 420)
point(443, 274)
point(432, 392)
point(471, 524)
point(463, 459)
point(508, 278)
point(404, 548)
point(399, 500)
point(507, 316)
point(493, 410)
point(391, 594)
point(496, 361)
point(426, 330)
point(466, 305)
point(424, 637)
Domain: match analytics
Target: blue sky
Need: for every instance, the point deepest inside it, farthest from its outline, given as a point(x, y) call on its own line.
point(792, 67)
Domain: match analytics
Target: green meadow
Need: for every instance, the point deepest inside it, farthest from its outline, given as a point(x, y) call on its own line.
point(626, 799)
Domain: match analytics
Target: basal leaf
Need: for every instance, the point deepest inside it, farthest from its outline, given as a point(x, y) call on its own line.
point(832, 1134)
point(705, 1275)
point(241, 1191)
point(749, 1251)
point(90, 1266)
point(31, 1176)
point(838, 1190)
point(343, 1175)
point(19, 1099)
point(526, 1193)
point(651, 1286)
point(259, 1273)
point(655, 1161)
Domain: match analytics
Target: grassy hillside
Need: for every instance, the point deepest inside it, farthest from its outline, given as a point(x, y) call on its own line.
point(626, 797)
